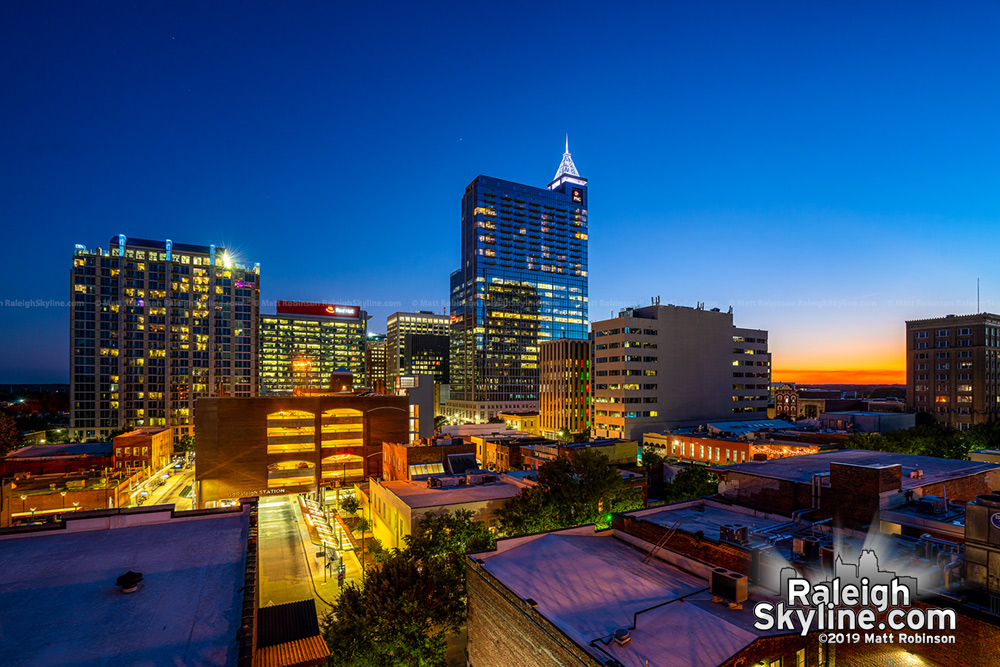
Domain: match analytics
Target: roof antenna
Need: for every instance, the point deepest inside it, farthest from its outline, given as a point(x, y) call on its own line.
point(567, 142)
point(977, 291)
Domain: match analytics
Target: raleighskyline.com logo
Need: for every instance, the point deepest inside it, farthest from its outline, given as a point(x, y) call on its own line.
point(862, 603)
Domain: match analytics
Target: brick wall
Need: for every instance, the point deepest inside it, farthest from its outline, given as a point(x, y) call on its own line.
point(506, 631)
point(729, 556)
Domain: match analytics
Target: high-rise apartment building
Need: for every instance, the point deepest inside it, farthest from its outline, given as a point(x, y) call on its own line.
point(523, 280)
point(304, 343)
point(417, 344)
point(376, 361)
point(952, 366)
point(564, 398)
point(658, 366)
point(155, 325)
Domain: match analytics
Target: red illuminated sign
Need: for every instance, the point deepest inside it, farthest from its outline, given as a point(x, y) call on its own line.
point(318, 309)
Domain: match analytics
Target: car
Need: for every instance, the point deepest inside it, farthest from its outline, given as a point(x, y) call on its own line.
point(178, 466)
point(227, 503)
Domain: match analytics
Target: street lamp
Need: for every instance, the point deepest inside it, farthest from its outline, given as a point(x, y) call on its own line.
point(32, 513)
point(23, 498)
point(63, 494)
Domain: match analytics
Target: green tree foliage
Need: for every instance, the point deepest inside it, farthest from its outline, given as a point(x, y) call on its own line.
point(10, 435)
point(692, 482)
point(929, 439)
point(440, 421)
point(408, 605)
point(570, 492)
point(185, 443)
point(350, 504)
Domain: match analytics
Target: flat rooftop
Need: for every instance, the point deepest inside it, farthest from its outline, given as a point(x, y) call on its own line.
point(800, 469)
point(65, 449)
point(417, 494)
point(59, 604)
point(607, 584)
point(708, 517)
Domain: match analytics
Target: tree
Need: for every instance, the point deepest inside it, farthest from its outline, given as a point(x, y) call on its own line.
point(10, 435)
point(439, 422)
point(350, 504)
point(692, 482)
point(185, 443)
point(652, 461)
point(408, 605)
point(570, 492)
point(495, 420)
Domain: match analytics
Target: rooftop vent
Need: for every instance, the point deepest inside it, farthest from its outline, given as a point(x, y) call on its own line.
point(737, 533)
point(729, 586)
point(623, 637)
point(129, 581)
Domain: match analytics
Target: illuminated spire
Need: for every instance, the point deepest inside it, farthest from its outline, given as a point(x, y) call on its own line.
point(567, 173)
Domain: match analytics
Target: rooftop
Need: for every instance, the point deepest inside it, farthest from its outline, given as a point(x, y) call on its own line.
point(708, 517)
point(417, 494)
point(800, 469)
point(607, 584)
point(66, 449)
point(58, 595)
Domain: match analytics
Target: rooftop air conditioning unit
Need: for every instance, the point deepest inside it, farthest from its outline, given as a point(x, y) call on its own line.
point(729, 585)
point(737, 533)
point(932, 505)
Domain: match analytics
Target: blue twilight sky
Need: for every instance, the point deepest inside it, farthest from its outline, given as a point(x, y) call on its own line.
point(829, 168)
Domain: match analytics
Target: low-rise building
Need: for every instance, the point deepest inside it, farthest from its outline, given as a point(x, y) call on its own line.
point(415, 461)
point(525, 421)
point(144, 448)
point(398, 506)
point(719, 450)
point(852, 485)
point(29, 498)
point(868, 422)
point(58, 459)
point(197, 586)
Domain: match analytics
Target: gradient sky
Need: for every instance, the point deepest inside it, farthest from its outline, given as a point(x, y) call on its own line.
point(830, 169)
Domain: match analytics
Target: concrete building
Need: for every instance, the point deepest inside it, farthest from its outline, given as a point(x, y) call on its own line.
point(951, 368)
point(143, 448)
point(154, 326)
point(419, 391)
point(525, 421)
point(417, 344)
point(522, 281)
point(398, 506)
point(376, 362)
point(305, 343)
point(279, 445)
point(564, 396)
point(868, 422)
point(658, 366)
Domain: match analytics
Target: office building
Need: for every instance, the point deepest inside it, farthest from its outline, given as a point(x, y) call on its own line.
point(154, 326)
point(951, 368)
point(277, 445)
point(417, 344)
point(564, 400)
point(658, 366)
point(305, 343)
point(523, 280)
point(376, 362)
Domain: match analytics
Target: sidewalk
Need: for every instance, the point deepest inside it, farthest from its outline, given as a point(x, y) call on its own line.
point(325, 592)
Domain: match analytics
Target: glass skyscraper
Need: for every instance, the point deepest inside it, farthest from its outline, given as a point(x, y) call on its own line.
point(523, 280)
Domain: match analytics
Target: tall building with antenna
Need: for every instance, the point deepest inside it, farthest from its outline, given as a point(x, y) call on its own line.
point(523, 280)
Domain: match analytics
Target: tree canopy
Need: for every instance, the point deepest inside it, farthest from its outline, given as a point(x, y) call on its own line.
point(930, 439)
point(411, 601)
point(570, 492)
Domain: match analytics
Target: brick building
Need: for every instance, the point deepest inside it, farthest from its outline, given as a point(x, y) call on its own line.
point(43, 497)
point(719, 450)
point(852, 485)
point(58, 459)
point(951, 368)
point(416, 460)
point(144, 448)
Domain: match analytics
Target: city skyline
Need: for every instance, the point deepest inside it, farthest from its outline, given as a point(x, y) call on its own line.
point(737, 158)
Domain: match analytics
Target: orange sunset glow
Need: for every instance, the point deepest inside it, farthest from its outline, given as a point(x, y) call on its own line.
point(880, 362)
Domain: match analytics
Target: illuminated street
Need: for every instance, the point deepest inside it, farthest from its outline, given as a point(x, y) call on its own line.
point(177, 491)
point(288, 558)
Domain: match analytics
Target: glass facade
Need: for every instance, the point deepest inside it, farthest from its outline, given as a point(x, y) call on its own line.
point(156, 325)
point(301, 352)
point(523, 280)
point(418, 344)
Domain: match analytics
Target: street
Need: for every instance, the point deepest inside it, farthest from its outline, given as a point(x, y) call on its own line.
point(177, 491)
